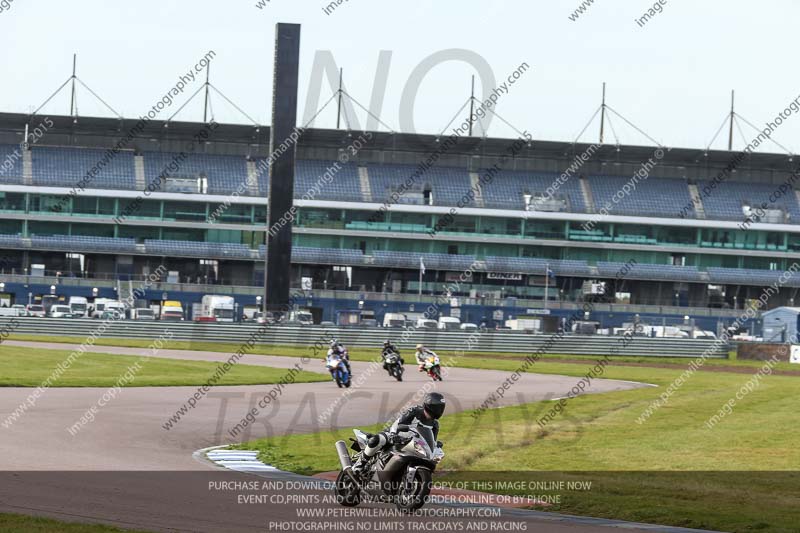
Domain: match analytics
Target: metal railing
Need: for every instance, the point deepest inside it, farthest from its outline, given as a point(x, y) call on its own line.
point(308, 336)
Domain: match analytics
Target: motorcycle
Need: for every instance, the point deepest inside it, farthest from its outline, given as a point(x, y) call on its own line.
point(394, 366)
point(433, 368)
point(401, 473)
point(338, 370)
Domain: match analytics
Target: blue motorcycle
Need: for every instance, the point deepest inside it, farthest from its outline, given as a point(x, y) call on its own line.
point(338, 370)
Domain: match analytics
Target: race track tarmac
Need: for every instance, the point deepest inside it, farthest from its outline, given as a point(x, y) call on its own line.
point(126, 468)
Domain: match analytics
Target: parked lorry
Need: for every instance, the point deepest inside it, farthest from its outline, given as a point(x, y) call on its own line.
point(104, 305)
point(525, 323)
point(214, 308)
point(79, 306)
point(171, 310)
point(49, 300)
point(302, 317)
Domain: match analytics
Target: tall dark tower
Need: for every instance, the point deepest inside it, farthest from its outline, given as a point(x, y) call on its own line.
point(277, 274)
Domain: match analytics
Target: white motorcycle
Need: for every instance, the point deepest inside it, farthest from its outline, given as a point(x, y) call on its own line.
point(399, 474)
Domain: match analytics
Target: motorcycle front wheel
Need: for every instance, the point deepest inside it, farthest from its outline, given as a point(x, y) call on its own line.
point(346, 490)
point(410, 499)
point(398, 373)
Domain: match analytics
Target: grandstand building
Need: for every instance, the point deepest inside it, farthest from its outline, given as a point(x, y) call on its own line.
point(693, 235)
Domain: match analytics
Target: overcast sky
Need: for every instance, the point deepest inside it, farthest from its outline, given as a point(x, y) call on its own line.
point(671, 77)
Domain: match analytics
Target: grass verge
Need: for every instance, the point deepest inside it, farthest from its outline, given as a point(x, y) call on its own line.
point(369, 354)
point(739, 476)
point(14, 523)
point(29, 367)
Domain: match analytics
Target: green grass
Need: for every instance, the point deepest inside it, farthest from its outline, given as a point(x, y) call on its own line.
point(740, 476)
point(472, 360)
point(29, 367)
point(669, 470)
point(14, 523)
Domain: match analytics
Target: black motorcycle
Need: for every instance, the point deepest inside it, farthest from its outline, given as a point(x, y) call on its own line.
point(400, 474)
point(393, 366)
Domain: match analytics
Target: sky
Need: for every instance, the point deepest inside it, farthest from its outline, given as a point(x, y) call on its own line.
point(671, 76)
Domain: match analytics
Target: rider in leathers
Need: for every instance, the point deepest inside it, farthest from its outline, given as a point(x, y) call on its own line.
point(389, 348)
point(427, 414)
point(337, 348)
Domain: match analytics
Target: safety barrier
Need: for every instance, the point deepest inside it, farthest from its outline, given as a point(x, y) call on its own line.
point(308, 336)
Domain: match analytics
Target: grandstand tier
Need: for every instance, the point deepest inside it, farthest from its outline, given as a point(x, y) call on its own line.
point(438, 186)
point(72, 206)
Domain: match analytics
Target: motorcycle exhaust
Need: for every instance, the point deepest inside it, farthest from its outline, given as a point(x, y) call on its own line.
point(344, 460)
point(344, 455)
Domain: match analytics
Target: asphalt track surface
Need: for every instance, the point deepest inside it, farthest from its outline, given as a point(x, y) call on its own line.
point(126, 469)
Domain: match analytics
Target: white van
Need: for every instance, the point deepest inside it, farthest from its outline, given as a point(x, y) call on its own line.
point(144, 313)
point(426, 323)
point(36, 310)
point(449, 323)
point(394, 320)
point(60, 311)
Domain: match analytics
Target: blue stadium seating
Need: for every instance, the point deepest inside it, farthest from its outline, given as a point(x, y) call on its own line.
point(225, 173)
point(537, 266)
point(205, 250)
point(64, 167)
point(651, 197)
point(340, 185)
point(83, 243)
point(410, 260)
point(14, 241)
point(10, 155)
point(507, 189)
point(447, 185)
point(645, 271)
point(328, 256)
point(726, 200)
point(744, 276)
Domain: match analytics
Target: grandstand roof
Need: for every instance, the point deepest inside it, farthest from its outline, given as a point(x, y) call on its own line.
point(253, 141)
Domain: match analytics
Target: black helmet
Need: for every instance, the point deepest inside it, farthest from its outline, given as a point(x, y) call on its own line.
point(387, 342)
point(434, 404)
